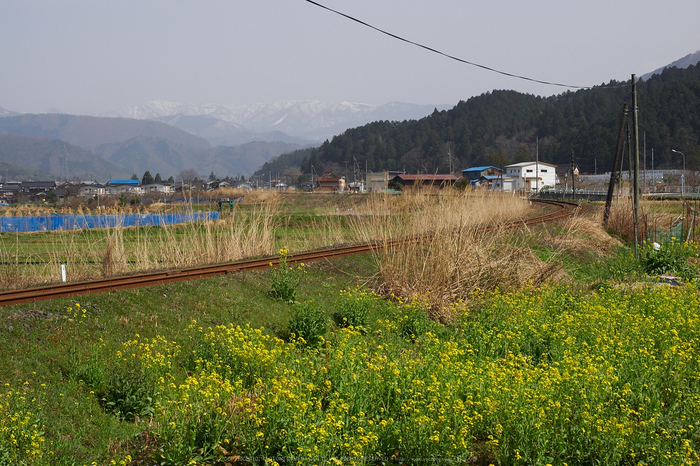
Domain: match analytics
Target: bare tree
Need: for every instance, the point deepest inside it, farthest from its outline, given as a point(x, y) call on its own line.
point(188, 175)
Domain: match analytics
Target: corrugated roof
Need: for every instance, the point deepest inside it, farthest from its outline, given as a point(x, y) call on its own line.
point(480, 169)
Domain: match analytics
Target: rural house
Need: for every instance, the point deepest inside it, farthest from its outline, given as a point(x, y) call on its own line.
point(529, 176)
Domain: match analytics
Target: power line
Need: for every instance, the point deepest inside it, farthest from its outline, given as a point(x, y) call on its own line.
point(504, 73)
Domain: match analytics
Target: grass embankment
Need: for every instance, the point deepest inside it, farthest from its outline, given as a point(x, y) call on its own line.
point(215, 370)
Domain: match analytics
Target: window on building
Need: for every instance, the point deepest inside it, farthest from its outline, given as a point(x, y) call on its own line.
point(543, 171)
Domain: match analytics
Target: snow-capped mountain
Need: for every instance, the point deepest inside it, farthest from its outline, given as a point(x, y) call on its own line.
point(310, 120)
point(4, 112)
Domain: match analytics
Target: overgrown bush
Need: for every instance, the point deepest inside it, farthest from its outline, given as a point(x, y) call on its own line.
point(308, 323)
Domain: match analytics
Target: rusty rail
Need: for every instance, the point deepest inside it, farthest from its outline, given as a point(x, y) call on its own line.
point(565, 209)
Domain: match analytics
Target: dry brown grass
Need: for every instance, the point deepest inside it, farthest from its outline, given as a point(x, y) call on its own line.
point(460, 257)
point(256, 196)
point(651, 216)
point(118, 251)
point(582, 232)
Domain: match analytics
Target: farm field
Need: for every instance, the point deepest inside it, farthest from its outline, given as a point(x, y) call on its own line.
point(567, 356)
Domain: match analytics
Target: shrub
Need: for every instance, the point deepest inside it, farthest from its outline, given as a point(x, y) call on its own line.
point(308, 323)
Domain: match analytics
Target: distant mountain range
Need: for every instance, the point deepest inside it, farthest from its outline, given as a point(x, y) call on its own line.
point(85, 147)
point(167, 137)
point(287, 121)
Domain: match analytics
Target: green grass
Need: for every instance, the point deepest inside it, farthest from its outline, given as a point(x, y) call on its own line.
point(46, 343)
point(399, 384)
point(528, 377)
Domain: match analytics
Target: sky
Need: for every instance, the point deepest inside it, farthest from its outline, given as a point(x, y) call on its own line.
point(93, 57)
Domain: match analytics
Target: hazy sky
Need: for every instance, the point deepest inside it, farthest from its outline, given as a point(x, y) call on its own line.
point(94, 56)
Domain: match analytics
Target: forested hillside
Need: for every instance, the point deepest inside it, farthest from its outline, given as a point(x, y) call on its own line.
point(504, 127)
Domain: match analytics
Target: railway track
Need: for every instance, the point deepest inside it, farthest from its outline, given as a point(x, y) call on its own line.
point(563, 210)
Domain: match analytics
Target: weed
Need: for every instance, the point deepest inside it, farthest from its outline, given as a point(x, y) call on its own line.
point(670, 258)
point(308, 324)
point(352, 307)
point(285, 279)
point(130, 393)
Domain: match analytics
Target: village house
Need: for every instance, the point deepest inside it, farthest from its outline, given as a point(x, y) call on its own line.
point(9, 191)
point(90, 190)
point(329, 182)
point(528, 177)
point(474, 174)
point(159, 188)
point(119, 187)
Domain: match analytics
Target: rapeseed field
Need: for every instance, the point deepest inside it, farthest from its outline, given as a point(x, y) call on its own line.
point(532, 377)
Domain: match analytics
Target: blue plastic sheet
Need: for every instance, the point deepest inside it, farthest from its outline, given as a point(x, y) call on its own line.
point(75, 222)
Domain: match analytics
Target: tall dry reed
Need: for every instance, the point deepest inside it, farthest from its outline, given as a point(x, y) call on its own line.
point(459, 256)
point(652, 216)
point(116, 251)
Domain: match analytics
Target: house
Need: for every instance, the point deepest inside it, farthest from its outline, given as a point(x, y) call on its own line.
point(216, 184)
point(473, 174)
point(90, 190)
point(329, 182)
point(9, 191)
point(33, 188)
point(425, 181)
point(119, 187)
point(379, 181)
point(67, 189)
point(530, 176)
point(160, 188)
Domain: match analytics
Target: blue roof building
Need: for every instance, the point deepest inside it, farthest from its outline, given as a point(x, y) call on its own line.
point(123, 182)
point(474, 173)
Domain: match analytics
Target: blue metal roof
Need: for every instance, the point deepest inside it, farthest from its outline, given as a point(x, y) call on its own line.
point(129, 182)
point(479, 169)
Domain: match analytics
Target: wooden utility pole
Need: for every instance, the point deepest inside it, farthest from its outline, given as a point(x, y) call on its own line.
point(573, 177)
point(635, 138)
point(613, 170)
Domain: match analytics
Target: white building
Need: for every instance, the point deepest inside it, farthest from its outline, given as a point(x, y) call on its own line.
point(529, 176)
point(160, 188)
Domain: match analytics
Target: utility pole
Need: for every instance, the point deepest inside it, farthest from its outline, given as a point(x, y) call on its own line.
point(635, 131)
point(537, 167)
point(613, 171)
point(573, 178)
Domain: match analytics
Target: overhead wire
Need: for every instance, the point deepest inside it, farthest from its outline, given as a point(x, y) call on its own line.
point(452, 57)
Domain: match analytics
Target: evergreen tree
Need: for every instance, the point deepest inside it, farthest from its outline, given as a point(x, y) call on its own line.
point(147, 178)
point(158, 179)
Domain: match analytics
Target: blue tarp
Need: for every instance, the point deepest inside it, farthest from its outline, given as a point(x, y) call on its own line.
point(74, 222)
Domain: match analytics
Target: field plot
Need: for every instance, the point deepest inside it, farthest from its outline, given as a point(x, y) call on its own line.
point(435, 355)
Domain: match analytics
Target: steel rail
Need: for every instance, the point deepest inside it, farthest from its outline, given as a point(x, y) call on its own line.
point(565, 209)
